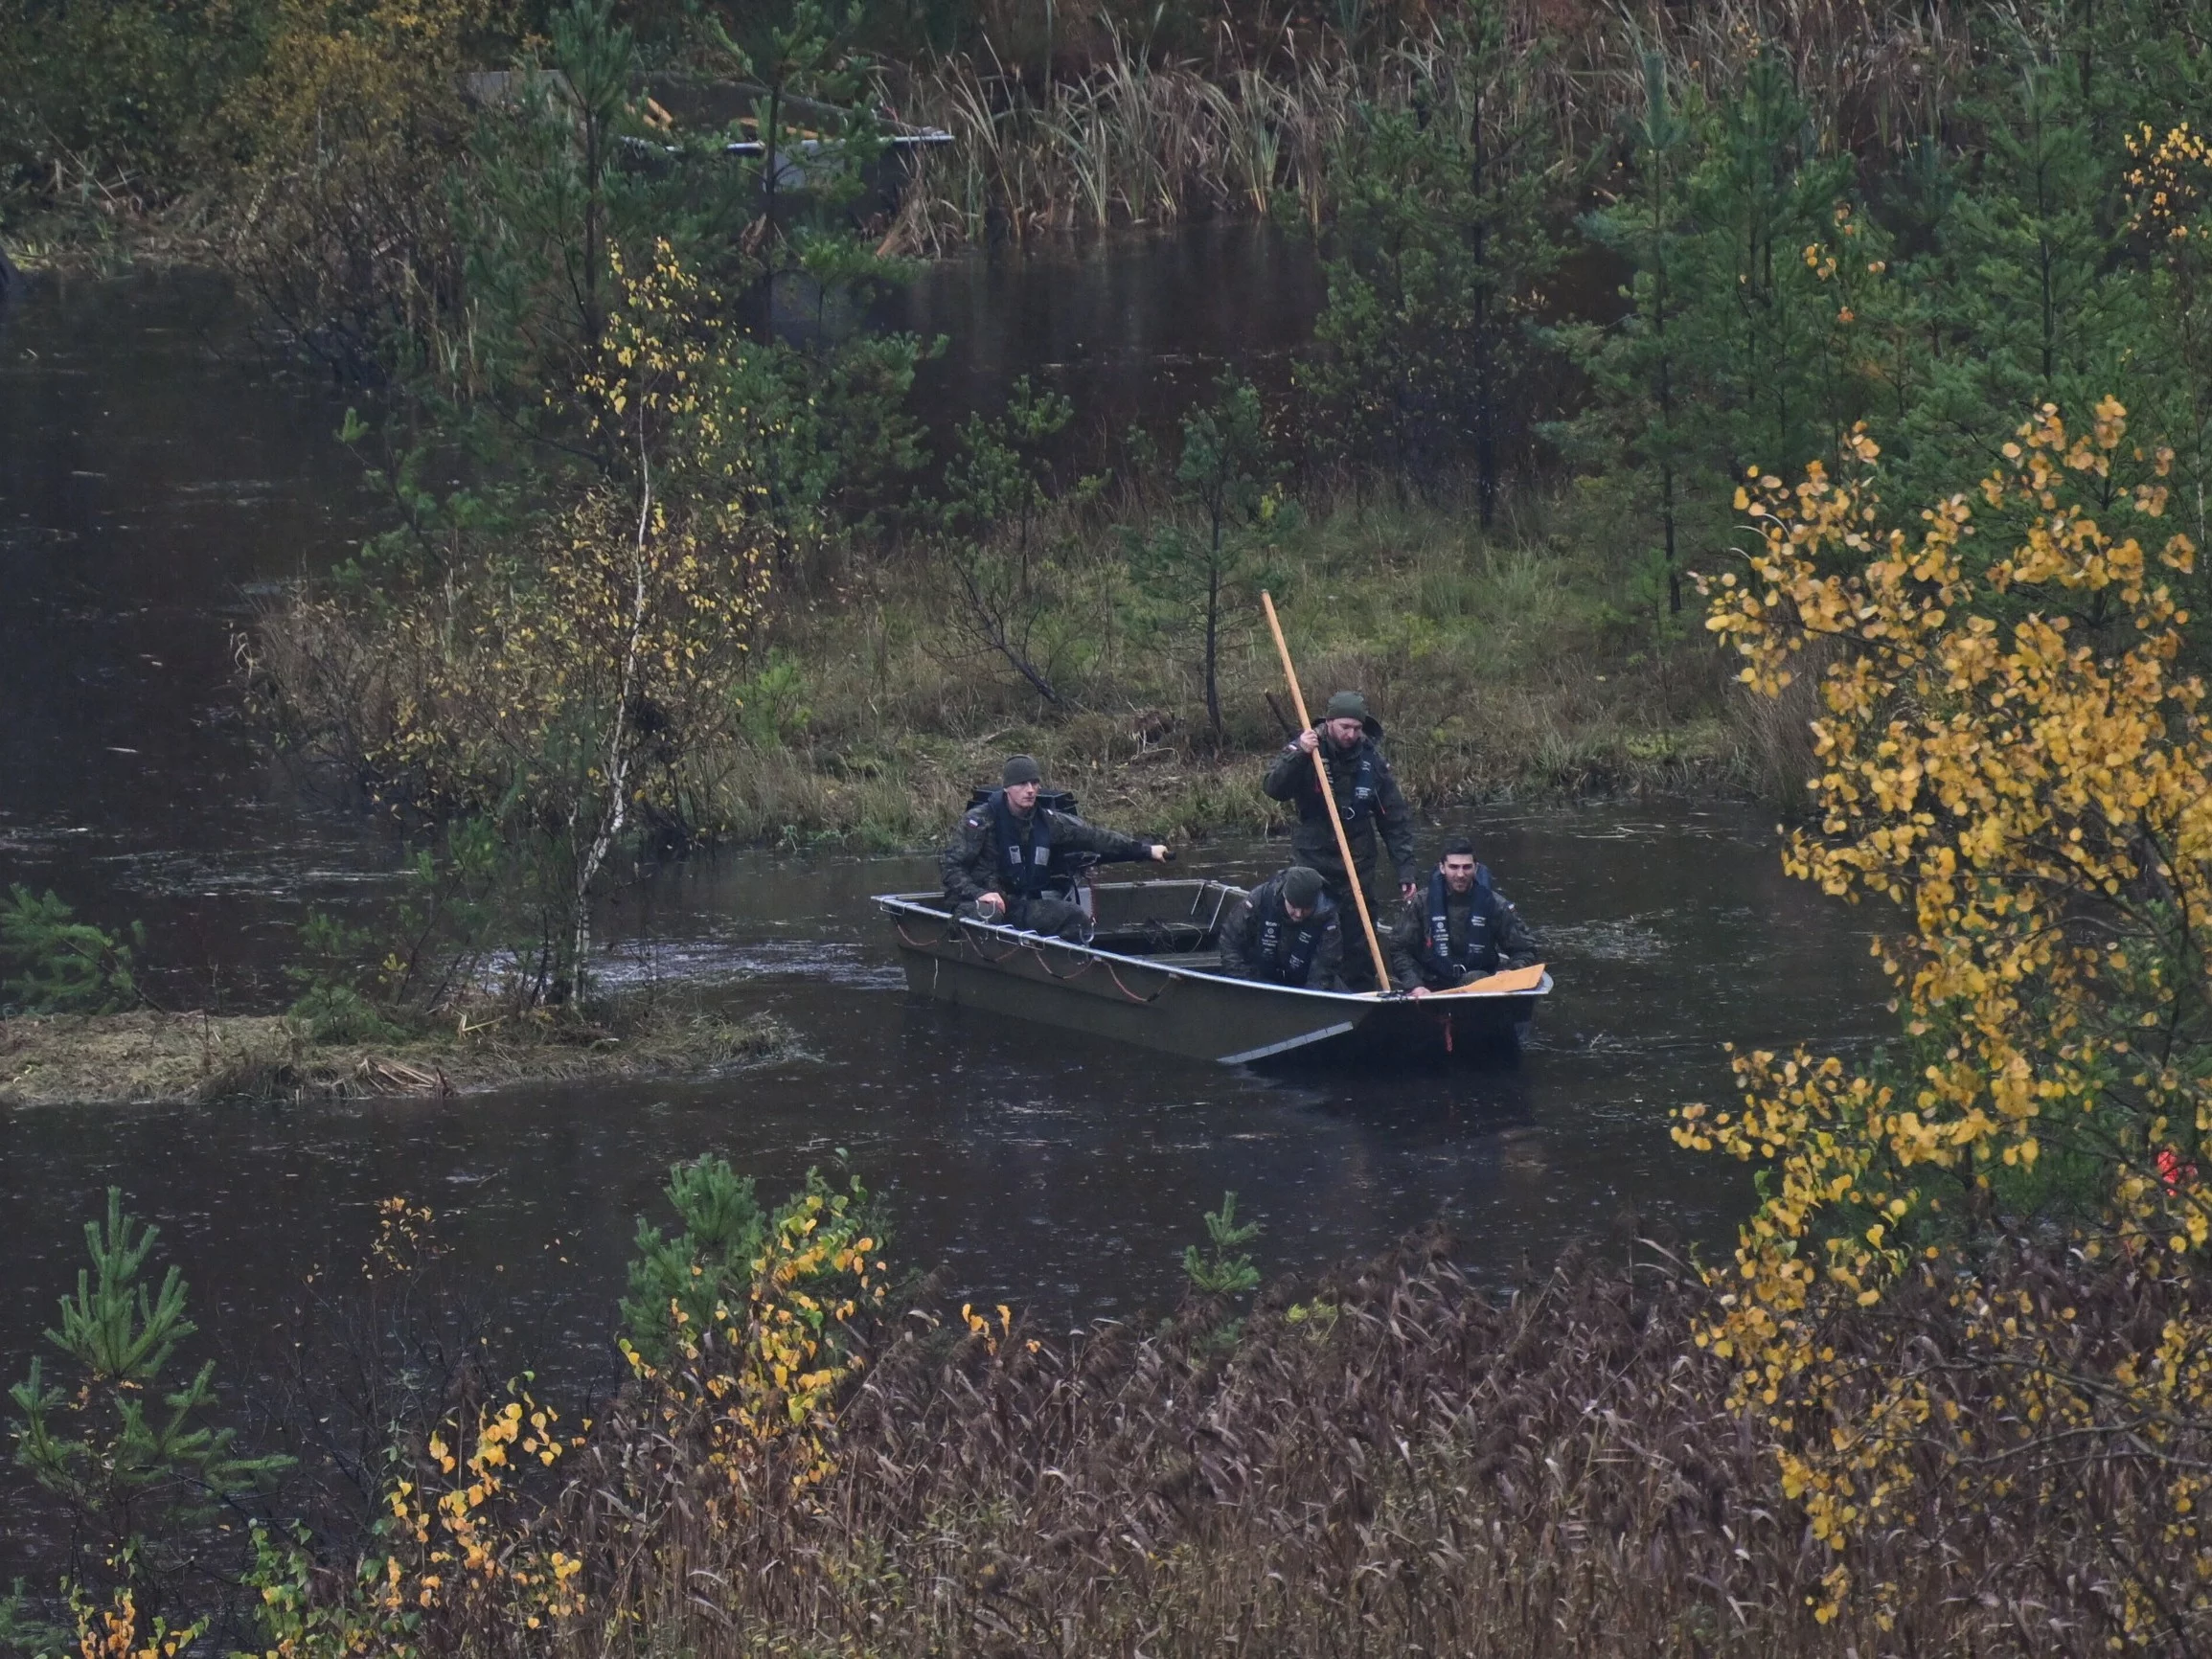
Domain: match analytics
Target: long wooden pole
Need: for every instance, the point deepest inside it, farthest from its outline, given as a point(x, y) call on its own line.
point(1329, 799)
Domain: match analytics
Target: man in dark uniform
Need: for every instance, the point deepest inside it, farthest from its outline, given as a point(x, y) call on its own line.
point(1461, 929)
point(1007, 863)
point(1284, 932)
point(1376, 818)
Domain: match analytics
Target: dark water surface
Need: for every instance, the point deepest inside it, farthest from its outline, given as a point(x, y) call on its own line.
point(162, 470)
point(157, 471)
point(1042, 1168)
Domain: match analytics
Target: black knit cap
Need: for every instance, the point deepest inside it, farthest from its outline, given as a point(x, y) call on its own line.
point(1020, 770)
point(1302, 886)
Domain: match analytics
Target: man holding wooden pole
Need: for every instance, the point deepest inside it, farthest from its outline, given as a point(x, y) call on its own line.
point(1371, 812)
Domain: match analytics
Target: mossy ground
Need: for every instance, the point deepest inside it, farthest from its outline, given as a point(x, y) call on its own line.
point(147, 1056)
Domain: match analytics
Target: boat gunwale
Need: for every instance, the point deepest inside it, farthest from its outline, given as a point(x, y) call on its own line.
point(893, 904)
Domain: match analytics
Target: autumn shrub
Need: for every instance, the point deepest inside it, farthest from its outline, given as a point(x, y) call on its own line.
point(349, 130)
point(2013, 767)
point(474, 1547)
point(1389, 1458)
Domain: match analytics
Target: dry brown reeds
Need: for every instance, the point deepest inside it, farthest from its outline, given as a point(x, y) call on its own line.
point(1128, 139)
point(1391, 1462)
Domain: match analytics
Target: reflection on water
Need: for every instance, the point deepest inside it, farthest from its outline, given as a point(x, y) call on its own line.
point(155, 466)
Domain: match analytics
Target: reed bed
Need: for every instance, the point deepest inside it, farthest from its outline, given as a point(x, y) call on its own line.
point(1124, 138)
point(1389, 1463)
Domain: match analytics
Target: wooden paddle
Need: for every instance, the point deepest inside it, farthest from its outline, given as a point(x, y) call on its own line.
point(1329, 799)
point(1512, 979)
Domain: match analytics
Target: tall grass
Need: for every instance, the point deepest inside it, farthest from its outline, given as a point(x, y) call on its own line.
point(1520, 663)
point(1124, 138)
point(1392, 1462)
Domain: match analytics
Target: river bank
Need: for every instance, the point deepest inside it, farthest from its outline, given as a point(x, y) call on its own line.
point(148, 1058)
point(1528, 663)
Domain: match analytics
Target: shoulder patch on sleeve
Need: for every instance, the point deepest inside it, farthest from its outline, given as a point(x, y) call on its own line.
point(975, 823)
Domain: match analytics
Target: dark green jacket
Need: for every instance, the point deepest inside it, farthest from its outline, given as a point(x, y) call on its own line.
point(1290, 780)
point(1484, 930)
point(973, 866)
point(1248, 953)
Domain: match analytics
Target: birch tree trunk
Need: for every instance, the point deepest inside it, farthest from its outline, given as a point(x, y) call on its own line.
point(614, 815)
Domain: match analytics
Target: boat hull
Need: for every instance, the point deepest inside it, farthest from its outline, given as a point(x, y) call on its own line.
point(1167, 999)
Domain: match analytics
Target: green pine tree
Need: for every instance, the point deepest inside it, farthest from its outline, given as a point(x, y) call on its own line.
point(1439, 247)
point(709, 1261)
point(50, 963)
point(1227, 472)
point(137, 1466)
point(1636, 366)
point(1226, 1269)
point(2037, 309)
point(1763, 199)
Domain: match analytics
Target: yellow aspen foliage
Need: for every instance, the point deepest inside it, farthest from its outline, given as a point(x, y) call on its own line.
point(477, 1537)
point(115, 1632)
point(2015, 771)
point(552, 675)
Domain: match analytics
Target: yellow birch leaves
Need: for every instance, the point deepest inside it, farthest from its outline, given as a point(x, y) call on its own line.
point(2013, 762)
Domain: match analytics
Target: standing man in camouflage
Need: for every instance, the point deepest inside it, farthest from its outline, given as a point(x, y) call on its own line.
point(1376, 820)
point(1007, 863)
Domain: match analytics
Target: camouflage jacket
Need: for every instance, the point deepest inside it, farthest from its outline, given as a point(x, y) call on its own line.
point(1258, 939)
point(975, 863)
point(1367, 797)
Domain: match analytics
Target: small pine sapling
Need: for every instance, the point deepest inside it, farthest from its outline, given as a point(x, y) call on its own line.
point(680, 1280)
point(1219, 1273)
point(1228, 473)
point(138, 1469)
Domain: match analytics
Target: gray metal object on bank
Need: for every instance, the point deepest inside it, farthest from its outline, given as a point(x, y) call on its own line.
point(1151, 976)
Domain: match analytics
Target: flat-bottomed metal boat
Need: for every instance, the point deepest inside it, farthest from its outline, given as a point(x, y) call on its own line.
point(1150, 975)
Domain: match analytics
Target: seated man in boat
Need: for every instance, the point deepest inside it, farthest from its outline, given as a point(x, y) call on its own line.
point(1460, 930)
point(1377, 821)
point(1284, 932)
point(1007, 863)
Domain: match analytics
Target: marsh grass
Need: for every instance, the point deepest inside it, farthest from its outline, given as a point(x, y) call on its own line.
point(1524, 664)
point(1389, 1461)
point(1501, 668)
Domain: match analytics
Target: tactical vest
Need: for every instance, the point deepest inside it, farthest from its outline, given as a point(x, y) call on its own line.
point(1303, 938)
point(1436, 944)
point(1354, 805)
point(1023, 878)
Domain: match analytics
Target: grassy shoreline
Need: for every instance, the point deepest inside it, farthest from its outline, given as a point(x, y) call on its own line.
point(148, 1058)
point(1523, 663)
